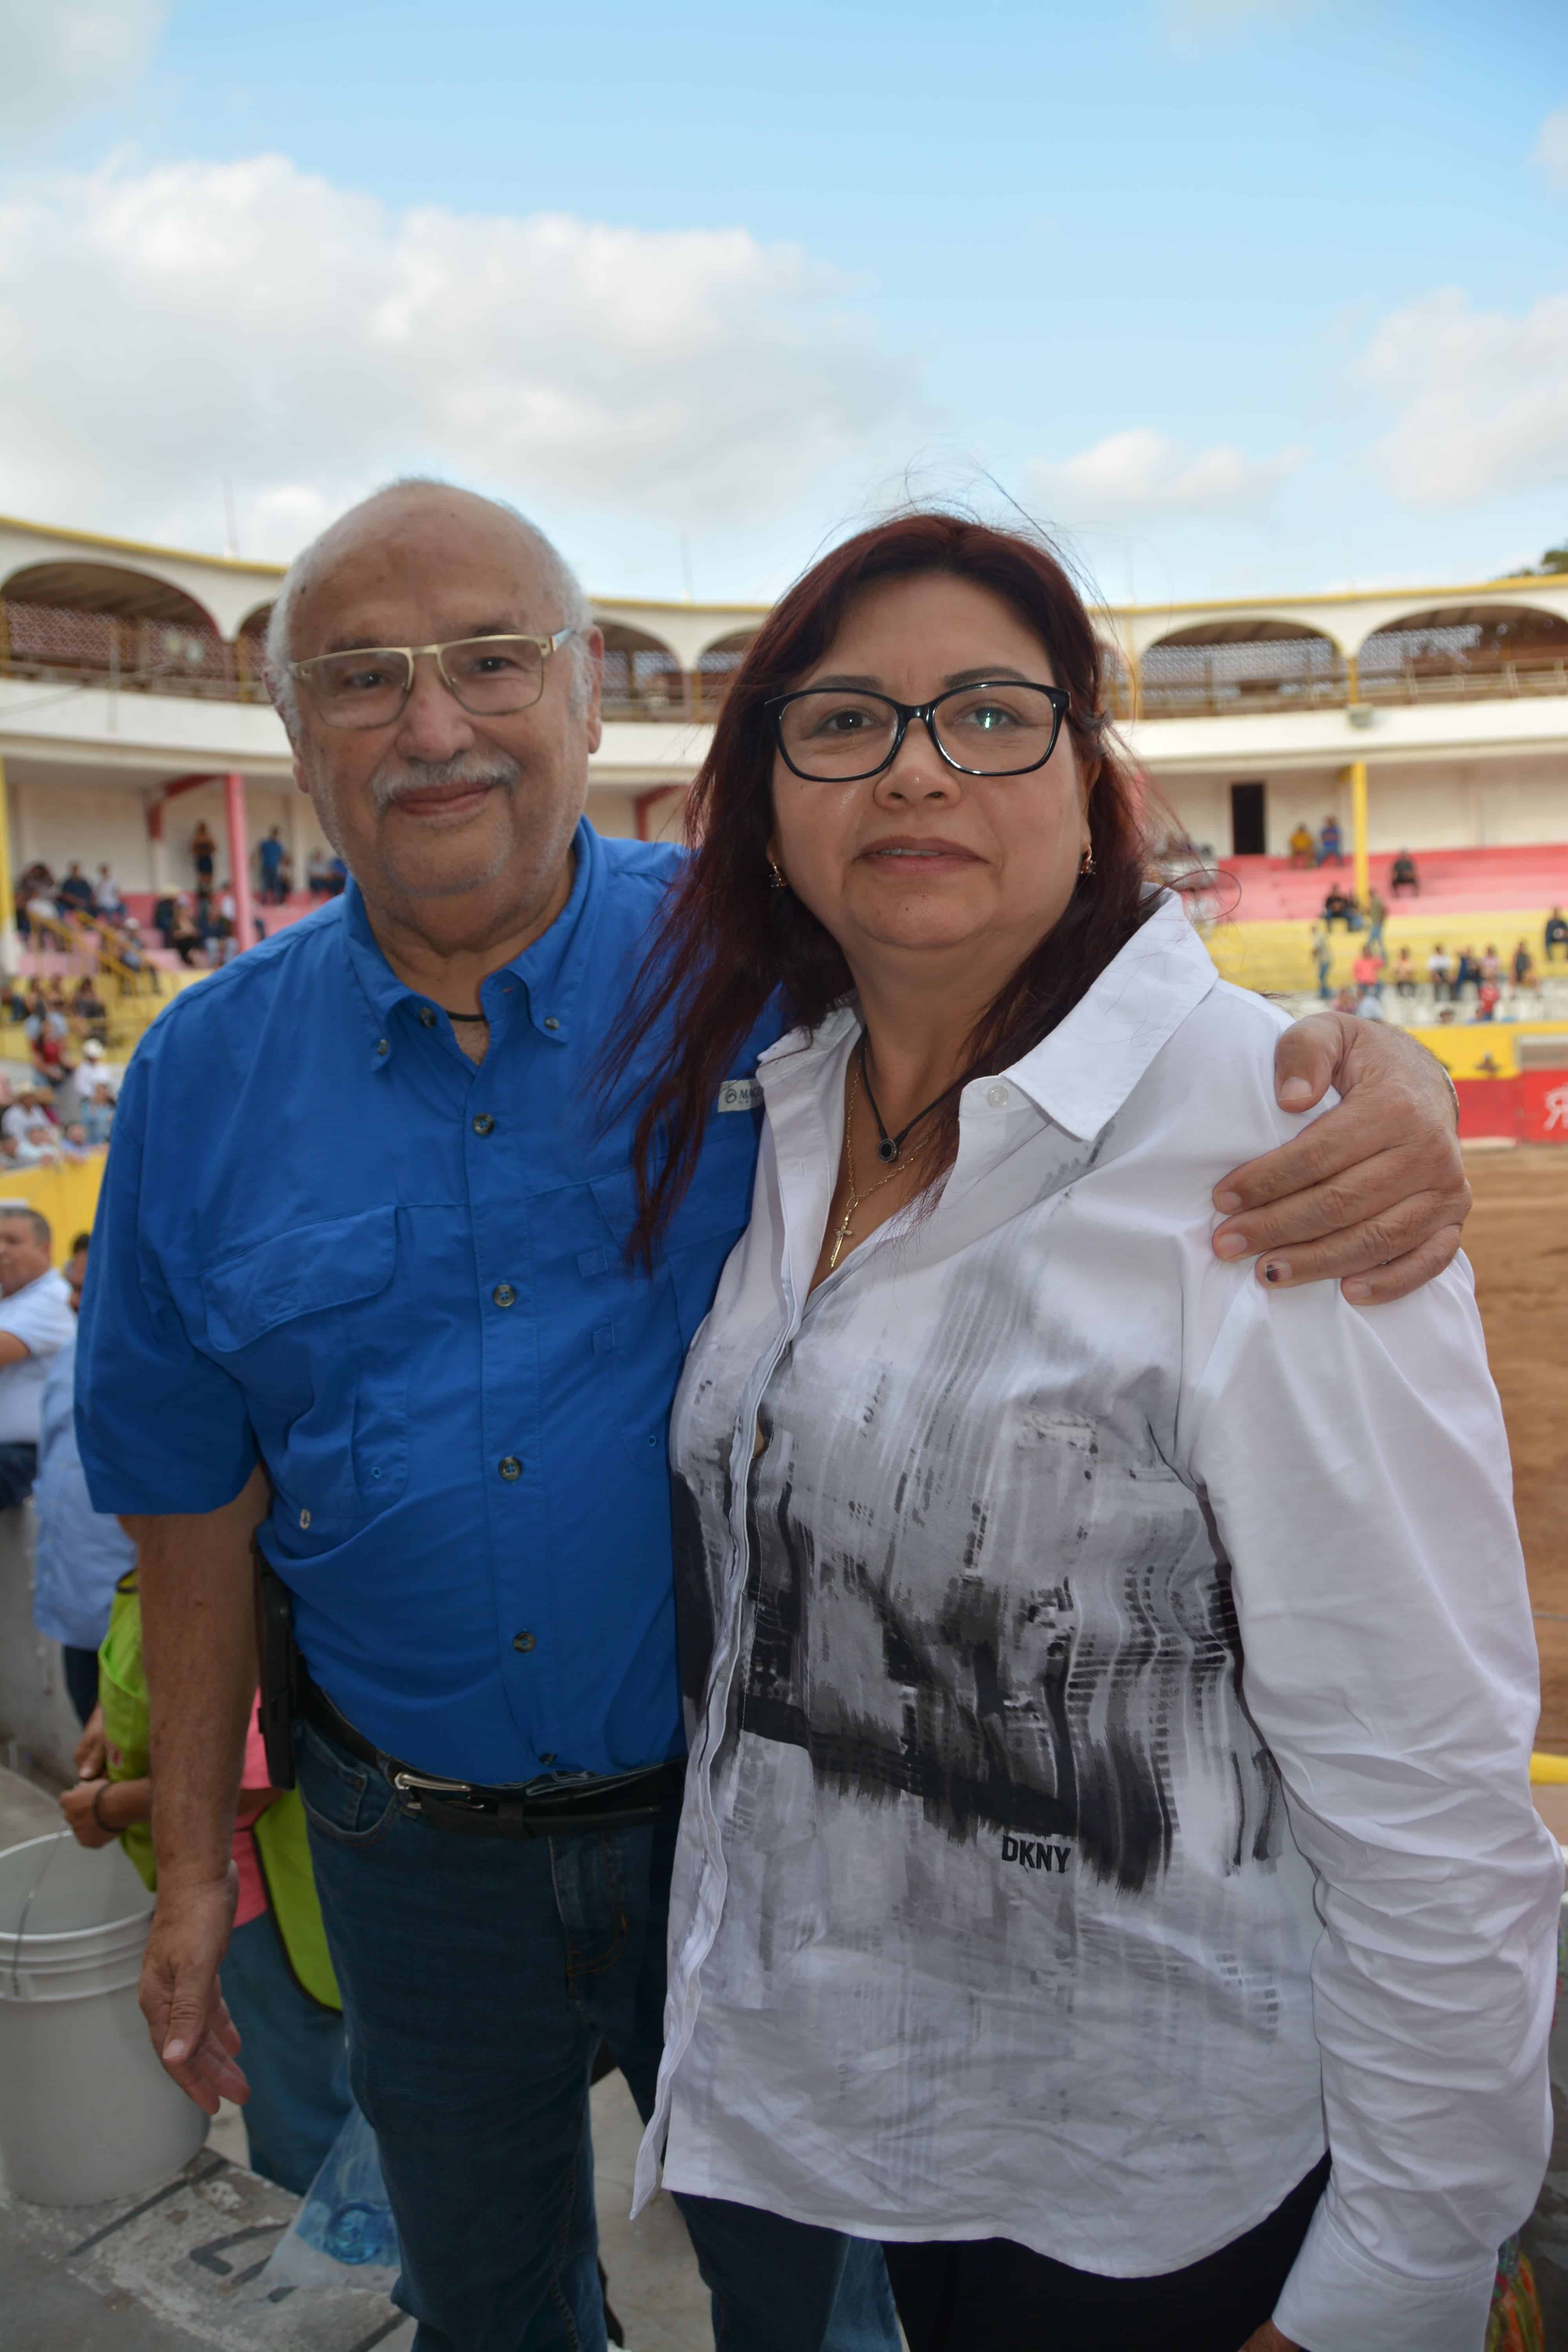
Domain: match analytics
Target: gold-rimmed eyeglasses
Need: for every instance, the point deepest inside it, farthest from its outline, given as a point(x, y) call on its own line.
point(491, 677)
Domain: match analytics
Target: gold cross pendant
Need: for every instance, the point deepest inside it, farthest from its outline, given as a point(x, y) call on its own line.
point(839, 1239)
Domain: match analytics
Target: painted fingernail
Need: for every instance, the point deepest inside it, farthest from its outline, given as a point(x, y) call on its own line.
point(1358, 1293)
point(1230, 1245)
point(1228, 1201)
point(1277, 1270)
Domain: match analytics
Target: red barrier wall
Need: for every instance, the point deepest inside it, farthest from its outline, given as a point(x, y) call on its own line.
point(1531, 1108)
point(1542, 1115)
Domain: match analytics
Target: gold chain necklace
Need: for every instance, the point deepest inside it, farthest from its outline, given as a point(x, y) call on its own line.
point(855, 1197)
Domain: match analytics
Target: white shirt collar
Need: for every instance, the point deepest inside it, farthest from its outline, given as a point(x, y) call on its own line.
point(1080, 1075)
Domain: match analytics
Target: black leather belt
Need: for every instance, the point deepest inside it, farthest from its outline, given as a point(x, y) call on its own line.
point(543, 1810)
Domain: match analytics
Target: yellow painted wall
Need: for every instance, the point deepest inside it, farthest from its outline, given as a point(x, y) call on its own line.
point(66, 1195)
point(1463, 1046)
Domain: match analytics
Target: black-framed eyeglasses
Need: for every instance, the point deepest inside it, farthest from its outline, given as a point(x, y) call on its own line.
point(996, 726)
point(491, 677)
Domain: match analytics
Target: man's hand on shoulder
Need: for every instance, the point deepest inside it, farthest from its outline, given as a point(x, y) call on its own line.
point(1374, 1194)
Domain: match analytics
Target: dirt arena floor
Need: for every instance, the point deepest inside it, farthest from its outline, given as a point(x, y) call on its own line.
point(1517, 1238)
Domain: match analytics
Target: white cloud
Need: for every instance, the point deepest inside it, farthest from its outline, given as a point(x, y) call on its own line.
point(58, 55)
point(1481, 398)
point(161, 327)
point(1141, 473)
point(1552, 148)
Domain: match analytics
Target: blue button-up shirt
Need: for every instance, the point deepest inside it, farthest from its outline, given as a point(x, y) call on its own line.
point(327, 1237)
point(81, 1553)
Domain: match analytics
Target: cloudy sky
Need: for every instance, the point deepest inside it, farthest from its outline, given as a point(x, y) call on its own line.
point(1236, 294)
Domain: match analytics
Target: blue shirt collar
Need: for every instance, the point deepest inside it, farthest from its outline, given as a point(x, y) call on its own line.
point(551, 970)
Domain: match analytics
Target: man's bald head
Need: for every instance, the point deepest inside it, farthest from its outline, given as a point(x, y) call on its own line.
point(457, 824)
point(400, 522)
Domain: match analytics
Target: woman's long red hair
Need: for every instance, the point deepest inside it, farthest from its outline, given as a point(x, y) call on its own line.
point(730, 941)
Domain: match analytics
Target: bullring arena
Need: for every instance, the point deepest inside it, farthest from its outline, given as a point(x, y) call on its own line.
point(1365, 802)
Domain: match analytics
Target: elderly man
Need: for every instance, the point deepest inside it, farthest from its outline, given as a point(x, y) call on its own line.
point(404, 1345)
point(35, 1325)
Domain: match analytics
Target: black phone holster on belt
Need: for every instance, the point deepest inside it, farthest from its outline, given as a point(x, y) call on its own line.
point(279, 1657)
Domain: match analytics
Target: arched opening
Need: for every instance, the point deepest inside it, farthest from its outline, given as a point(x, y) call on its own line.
point(642, 677)
point(1116, 680)
point(103, 623)
point(1251, 664)
point(717, 667)
point(1465, 650)
point(250, 655)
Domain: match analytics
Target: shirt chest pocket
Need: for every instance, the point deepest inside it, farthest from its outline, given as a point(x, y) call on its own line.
point(306, 1323)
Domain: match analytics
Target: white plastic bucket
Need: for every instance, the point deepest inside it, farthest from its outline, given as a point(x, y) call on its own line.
point(85, 2111)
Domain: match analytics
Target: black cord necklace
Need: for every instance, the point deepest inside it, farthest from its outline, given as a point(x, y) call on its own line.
point(891, 1145)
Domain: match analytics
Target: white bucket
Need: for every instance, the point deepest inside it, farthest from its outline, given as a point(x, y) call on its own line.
point(85, 2111)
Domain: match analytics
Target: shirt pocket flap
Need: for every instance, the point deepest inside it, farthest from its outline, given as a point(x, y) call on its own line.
point(299, 1273)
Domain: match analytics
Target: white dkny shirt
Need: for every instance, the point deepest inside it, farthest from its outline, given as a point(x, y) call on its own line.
point(1110, 1687)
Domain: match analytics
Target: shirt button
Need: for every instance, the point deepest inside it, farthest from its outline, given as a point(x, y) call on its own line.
point(525, 1642)
point(483, 1124)
point(504, 1295)
point(998, 1097)
point(304, 1518)
point(426, 1017)
point(510, 1467)
point(551, 1022)
point(547, 1754)
point(382, 1046)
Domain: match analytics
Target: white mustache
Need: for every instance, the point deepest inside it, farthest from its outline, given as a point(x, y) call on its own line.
point(398, 779)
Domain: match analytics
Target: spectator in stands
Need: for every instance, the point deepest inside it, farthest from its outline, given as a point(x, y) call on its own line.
point(107, 892)
point(1301, 845)
point(1322, 959)
point(1492, 963)
point(35, 1321)
point(47, 1031)
point(1487, 996)
point(1441, 972)
point(269, 864)
point(40, 1144)
point(203, 852)
point(1555, 935)
point(176, 926)
point(1404, 974)
point(1330, 852)
point(89, 1014)
point(1468, 976)
point(74, 1144)
point(1367, 974)
point(1339, 907)
point(1376, 915)
point(319, 874)
point(81, 1553)
point(1403, 876)
point(76, 891)
point(1525, 973)
point(98, 1114)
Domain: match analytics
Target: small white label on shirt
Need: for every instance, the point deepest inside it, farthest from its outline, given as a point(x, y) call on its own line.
point(739, 1094)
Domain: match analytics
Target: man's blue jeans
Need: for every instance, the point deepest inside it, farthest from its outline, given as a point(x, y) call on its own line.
point(479, 1977)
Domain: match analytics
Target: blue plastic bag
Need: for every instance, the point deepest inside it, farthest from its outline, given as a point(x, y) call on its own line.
point(344, 2234)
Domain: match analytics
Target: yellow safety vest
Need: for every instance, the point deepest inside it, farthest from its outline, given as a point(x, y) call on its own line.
point(282, 1841)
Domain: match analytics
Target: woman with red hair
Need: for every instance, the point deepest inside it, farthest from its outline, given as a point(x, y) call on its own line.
point(1107, 1874)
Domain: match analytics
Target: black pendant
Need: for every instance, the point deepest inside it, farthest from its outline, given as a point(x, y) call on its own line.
point(888, 1148)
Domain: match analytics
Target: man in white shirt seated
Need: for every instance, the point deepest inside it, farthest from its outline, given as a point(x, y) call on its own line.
point(35, 1324)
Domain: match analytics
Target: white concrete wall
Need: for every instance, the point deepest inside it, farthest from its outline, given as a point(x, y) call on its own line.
point(1415, 804)
point(57, 817)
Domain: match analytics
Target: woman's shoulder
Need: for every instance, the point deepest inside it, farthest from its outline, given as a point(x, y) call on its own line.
point(1212, 1081)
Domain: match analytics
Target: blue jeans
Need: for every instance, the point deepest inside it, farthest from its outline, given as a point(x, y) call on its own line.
point(478, 1978)
point(294, 2058)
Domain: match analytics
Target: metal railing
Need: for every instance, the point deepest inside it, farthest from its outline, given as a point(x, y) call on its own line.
point(59, 645)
